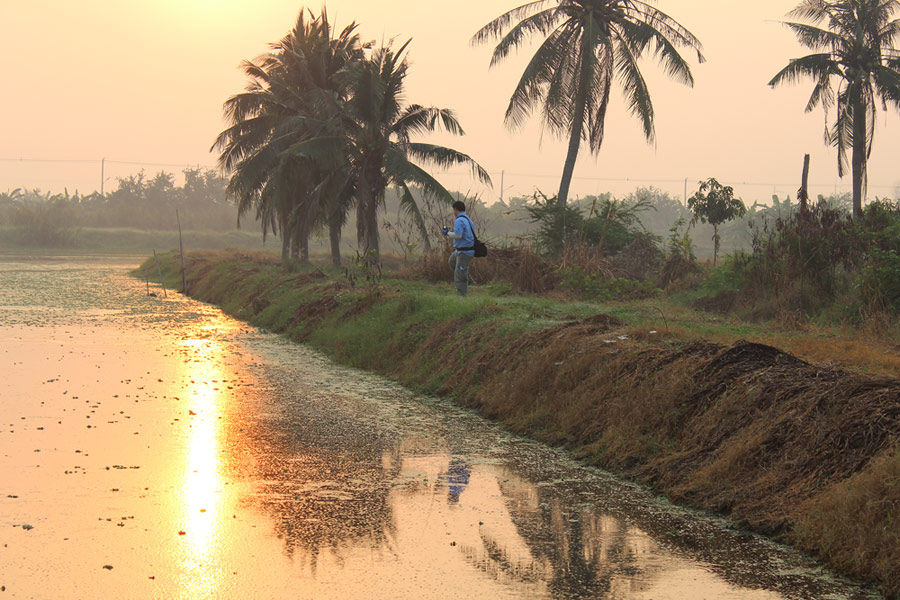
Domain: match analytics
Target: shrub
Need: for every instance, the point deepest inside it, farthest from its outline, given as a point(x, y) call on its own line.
point(680, 261)
point(715, 204)
point(609, 226)
point(818, 261)
point(519, 266)
point(640, 260)
point(591, 287)
point(879, 281)
point(45, 222)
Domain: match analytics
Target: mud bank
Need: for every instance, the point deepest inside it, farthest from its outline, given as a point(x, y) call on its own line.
point(805, 453)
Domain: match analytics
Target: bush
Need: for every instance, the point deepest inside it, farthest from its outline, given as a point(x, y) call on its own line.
point(519, 266)
point(879, 280)
point(591, 287)
point(45, 223)
point(680, 262)
point(816, 262)
point(640, 260)
point(609, 226)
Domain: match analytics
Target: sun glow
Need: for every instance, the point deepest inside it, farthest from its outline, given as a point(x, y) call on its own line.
point(202, 498)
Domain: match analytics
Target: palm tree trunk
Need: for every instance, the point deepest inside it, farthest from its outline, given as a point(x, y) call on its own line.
point(300, 243)
point(334, 235)
point(574, 134)
point(295, 246)
point(371, 216)
point(304, 248)
point(367, 220)
point(572, 154)
point(285, 238)
point(859, 157)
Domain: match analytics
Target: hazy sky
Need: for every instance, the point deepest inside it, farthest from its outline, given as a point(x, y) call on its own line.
point(143, 81)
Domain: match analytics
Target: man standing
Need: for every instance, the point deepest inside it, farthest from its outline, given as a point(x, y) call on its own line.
point(463, 236)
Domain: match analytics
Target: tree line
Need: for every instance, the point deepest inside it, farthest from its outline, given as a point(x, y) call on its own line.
point(139, 202)
point(322, 129)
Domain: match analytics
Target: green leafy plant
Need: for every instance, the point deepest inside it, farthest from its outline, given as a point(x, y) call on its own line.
point(680, 258)
point(365, 273)
point(582, 283)
point(715, 204)
point(610, 224)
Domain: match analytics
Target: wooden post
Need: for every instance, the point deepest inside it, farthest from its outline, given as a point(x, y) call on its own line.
point(181, 244)
point(804, 187)
point(159, 270)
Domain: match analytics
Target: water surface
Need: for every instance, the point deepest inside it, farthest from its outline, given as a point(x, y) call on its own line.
point(152, 447)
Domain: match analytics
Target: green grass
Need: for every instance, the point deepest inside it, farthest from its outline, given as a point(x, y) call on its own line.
point(266, 293)
point(623, 406)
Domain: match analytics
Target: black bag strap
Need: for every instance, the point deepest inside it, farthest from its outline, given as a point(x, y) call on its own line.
point(472, 224)
point(474, 237)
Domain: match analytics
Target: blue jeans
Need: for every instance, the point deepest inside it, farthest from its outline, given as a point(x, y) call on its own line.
point(460, 265)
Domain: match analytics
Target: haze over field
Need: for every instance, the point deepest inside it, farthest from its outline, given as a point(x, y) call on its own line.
point(143, 82)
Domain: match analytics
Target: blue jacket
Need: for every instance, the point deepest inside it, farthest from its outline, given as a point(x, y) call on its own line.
point(463, 228)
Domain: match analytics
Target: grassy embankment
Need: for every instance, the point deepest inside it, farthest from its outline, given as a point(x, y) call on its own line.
point(805, 451)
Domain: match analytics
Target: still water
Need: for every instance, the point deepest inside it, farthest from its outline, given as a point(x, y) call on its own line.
point(152, 447)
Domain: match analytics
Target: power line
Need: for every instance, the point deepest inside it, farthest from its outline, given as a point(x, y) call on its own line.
point(638, 180)
point(660, 180)
point(49, 160)
point(109, 160)
point(147, 164)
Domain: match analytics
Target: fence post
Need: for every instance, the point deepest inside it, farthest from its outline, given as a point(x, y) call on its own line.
point(181, 245)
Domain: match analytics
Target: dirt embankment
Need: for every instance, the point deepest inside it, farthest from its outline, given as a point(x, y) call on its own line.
point(805, 453)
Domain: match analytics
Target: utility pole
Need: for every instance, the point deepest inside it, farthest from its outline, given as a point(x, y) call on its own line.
point(502, 175)
point(685, 191)
point(102, 174)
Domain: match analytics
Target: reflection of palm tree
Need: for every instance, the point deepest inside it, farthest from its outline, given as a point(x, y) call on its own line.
point(326, 490)
point(579, 566)
point(577, 554)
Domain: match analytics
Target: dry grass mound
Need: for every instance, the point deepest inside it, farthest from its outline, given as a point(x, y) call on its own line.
point(746, 430)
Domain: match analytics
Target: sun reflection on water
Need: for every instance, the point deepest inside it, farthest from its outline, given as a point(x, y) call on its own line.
point(202, 498)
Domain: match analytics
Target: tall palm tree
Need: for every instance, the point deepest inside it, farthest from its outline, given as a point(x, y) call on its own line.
point(588, 44)
point(856, 66)
point(318, 56)
point(374, 137)
point(291, 92)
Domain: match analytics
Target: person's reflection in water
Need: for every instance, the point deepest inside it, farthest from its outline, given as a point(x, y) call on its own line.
point(457, 478)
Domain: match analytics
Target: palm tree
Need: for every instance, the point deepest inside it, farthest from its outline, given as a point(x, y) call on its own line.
point(855, 67)
point(588, 44)
point(291, 92)
point(373, 140)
